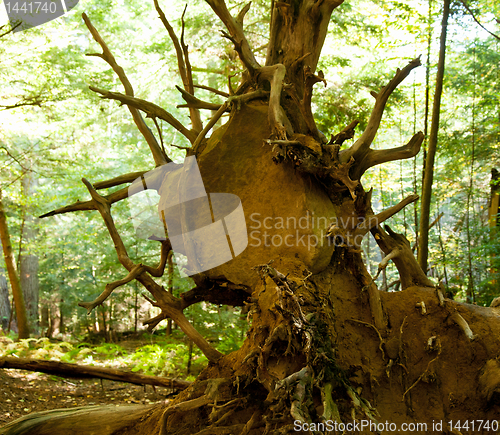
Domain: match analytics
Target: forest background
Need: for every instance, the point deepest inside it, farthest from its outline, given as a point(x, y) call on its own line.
point(54, 131)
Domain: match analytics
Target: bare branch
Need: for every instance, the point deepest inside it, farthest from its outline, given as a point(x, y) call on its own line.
point(477, 21)
point(192, 101)
point(183, 63)
point(377, 157)
point(166, 248)
point(362, 145)
point(397, 248)
point(170, 305)
point(88, 205)
point(151, 109)
point(236, 34)
point(310, 80)
point(106, 55)
point(14, 27)
point(345, 134)
point(375, 220)
point(121, 179)
point(277, 118)
point(207, 127)
point(215, 91)
point(35, 100)
point(134, 273)
point(119, 195)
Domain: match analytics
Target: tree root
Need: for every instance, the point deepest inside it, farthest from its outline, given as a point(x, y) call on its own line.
point(381, 340)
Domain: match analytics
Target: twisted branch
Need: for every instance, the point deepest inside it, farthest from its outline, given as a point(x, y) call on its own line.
point(107, 56)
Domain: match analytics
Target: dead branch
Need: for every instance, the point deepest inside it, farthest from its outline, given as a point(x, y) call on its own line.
point(360, 148)
point(35, 100)
point(151, 109)
point(213, 90)
point(280, 125)
point(397, 248)
point(346, 133)
point(121, 179)
point(83, 371)
point(192, 101)
point(133, 274)
point(12, 28)
point(310, 80)
point(111, 198)
point(88, 205)
point(107, 56)
point(183, 65)
point(375, 220)
point(166, 249)
point(206, 129)
point(170, 305)
point(377, 157)
point(236, 34)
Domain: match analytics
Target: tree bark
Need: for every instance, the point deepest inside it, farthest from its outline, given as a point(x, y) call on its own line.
point(22, 321)
point(423, 242)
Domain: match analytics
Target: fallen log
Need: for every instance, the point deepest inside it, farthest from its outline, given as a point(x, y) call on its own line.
point(83, 371)
point(87, 420)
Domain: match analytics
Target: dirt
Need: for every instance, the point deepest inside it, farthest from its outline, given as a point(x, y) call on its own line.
point(23, 392)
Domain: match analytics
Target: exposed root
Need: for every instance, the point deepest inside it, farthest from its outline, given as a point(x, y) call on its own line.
point(421, 376)
point(422, 307)
point(489, 379)
point(397, 248)
point(464, 326)
point(381, 340)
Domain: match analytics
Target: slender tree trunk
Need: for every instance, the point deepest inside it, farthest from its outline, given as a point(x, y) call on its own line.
point(28, 271)
point(62, 320)
point(423, 251)
point(170, 278)
point(22, 321)
point(493, 211)
point(4, 302)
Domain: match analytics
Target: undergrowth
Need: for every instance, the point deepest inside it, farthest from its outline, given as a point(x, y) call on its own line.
point(162, 356)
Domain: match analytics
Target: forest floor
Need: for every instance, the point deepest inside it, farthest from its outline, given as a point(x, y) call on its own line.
point(23, 392)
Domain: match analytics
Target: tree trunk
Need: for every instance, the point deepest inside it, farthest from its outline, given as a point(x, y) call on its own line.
point(423, 242)
point(493, 212)
point(4, 302)
point(22, 321)
point(325, 348)
point(28, 271)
